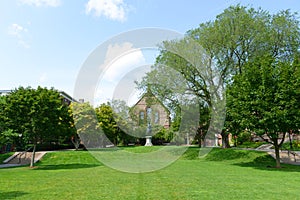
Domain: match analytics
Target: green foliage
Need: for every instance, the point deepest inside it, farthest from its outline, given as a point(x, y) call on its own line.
point(114, 120)
point(86, 123)
point(244, 136)
point(265, 98)
point(2, 116)
point(295, 146)
point(38, 114)
point(7, 137)
point(161, 136)
point(107, 123)
point(4, 156)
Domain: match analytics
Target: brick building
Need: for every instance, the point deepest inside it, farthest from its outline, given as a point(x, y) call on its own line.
point(149, 108)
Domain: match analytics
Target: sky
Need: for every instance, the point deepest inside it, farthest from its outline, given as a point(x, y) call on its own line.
point(47, 42)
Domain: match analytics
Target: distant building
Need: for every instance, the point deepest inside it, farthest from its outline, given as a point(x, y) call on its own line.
point(66, 98)
point(149, 108)
point(4, 92)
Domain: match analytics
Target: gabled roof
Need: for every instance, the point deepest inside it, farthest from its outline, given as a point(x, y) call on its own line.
point(66, 96)
point(150, 94)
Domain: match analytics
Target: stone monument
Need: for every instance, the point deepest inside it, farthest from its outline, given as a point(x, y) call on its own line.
point(148, 135)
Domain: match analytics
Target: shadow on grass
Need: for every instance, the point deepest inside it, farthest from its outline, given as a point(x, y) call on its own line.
point(66, 166)
point(192, 153)
point(268, 163)
point(248, 158)
point(12, 194)
point(218, 154)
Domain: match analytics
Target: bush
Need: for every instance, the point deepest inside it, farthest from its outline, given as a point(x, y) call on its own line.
point(295, 145)
point(244, 136)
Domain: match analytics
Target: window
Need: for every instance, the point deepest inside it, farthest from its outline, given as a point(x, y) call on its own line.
point(142, 117)
point(149, 114)
point(156, 118)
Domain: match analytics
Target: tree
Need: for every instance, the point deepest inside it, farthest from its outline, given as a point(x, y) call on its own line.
point(125, 122)
point(197, 82)
point(87, 126)
point(2, 116)
point(7, 136)
point(107, 122)
point(38, 114)
point(241, 35)
point(265, 99)
point(114, 119)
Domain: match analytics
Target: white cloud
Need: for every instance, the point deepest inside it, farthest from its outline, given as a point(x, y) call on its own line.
point(18, 32)
point(127, 59)
point(111, 9)
point(120, 61)
point(39, 3)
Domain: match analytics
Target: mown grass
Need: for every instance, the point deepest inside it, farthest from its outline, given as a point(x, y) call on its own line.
point(222, 174)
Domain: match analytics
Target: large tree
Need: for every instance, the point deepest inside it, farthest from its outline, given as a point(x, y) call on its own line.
point(240, 35)
point(236, 37)
point(38, 114)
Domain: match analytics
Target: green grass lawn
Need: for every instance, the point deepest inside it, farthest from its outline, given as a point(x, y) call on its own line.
point(222, 174)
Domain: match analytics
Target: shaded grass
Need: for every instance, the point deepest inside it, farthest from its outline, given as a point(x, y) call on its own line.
point(247, 158)
point(77, 175)
point(251, 144)
point(141, 149)
point(5, 156)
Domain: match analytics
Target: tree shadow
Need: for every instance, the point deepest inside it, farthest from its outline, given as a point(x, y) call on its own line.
point(226, 154)
point(268, 163)
point(192, 153)
point(66, 166)
point(11, 194)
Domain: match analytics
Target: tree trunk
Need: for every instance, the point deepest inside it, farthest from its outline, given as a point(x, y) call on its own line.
point(200, 142)
point(225, 141)
point(277, 155)
point(290, 139)
point(33, 156)
point(76, 142)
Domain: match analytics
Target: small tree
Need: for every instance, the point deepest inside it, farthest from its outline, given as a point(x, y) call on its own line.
point(87, 126)
point(265, 99)
point(38, 114)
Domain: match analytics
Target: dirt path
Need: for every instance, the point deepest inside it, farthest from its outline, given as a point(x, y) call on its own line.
point(287, 157)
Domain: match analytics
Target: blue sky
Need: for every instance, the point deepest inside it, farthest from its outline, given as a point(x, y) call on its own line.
point(45, 42)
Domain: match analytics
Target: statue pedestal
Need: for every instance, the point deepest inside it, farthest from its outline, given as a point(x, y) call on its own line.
point(148, 141)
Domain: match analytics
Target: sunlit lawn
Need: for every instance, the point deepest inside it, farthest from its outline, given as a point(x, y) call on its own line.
point(223, 174)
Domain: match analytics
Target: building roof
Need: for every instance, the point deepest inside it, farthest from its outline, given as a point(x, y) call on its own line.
point(62, 93)
point(149, 94)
